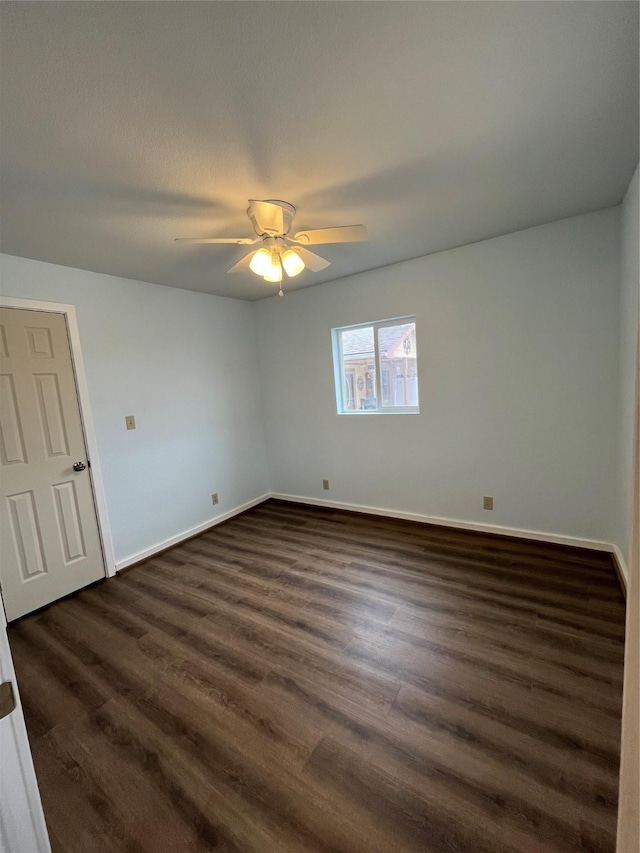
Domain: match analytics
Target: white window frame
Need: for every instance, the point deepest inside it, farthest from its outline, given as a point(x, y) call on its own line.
point(338, 368)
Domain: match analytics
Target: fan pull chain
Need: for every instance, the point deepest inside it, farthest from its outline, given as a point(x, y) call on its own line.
point(277, 254)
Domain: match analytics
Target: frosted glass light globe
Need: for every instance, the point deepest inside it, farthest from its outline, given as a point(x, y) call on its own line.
point(261, 262)
point(274, 273)
point(292, 263)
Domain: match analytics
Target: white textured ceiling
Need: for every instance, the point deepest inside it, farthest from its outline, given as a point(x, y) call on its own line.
point(127, 124)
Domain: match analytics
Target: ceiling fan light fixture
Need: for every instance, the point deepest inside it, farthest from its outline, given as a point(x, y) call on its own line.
point(272, 220)
point(292, 263)
point(261, 262)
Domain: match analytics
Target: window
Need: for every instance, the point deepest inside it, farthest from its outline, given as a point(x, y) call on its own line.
point(376, 367)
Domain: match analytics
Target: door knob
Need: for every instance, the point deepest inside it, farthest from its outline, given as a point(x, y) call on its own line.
point(79, 466)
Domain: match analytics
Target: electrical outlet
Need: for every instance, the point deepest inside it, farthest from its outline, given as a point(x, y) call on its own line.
point(325, 485)
point(130, 421)
point(487, 502)
point(214, 498)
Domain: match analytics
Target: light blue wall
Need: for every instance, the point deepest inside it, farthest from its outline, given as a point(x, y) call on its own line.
point(184, 364)
point(518, 360)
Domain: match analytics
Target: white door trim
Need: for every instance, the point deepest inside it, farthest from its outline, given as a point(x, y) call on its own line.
point(24, 827)
point(82, 388)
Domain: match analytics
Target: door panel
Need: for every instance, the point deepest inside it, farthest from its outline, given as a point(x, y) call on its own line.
point(69, 525)
point(51, 417)
point(26, 535)
point(50, 545)
point(12, 443)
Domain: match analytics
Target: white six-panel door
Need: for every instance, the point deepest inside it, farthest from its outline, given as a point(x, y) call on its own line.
point(49, 539)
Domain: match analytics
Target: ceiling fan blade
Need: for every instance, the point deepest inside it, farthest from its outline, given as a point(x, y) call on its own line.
point(240, 241)
point(268, 217)
point(340, 234)
point(243, 264)
point(312, 261)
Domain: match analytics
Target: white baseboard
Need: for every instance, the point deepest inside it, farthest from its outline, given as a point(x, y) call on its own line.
point(537, 535)
point(187, 534)
point(621, 566)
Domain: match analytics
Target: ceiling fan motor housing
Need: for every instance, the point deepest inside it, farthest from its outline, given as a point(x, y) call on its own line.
point(288, 212)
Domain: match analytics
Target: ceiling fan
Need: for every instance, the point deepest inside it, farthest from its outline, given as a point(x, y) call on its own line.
point(279, 253)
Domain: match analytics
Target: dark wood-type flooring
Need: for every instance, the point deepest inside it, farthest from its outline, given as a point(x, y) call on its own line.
point(299, 679)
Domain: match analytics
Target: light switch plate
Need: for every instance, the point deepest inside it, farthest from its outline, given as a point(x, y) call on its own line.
point(130, 421)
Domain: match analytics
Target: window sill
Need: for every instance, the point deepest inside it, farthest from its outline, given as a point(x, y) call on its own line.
point(366, 413)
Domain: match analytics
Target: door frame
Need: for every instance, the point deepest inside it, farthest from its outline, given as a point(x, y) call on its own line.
point(86, 419)
point(29, 826)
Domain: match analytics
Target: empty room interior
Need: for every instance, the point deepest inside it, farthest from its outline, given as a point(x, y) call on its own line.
point(319, 525)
